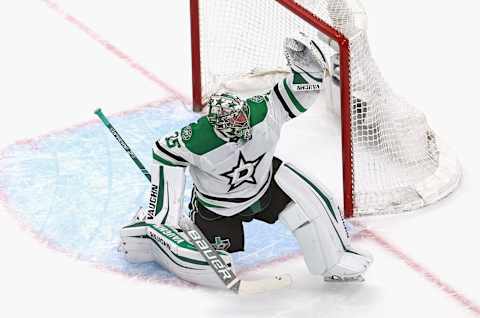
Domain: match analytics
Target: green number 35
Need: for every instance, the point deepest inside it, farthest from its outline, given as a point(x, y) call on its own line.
point(173, 141)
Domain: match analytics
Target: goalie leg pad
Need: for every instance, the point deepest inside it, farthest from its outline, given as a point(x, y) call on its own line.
point(172, 249)
point(136, 250)
point(320, 251)
point(134, 243)
point(318, 226)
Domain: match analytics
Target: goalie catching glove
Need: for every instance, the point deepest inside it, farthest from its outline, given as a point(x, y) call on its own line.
point(307, 63)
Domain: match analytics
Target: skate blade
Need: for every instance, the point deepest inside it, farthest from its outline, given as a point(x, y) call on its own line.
point(338, 279)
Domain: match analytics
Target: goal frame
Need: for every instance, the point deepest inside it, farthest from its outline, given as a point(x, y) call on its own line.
point(344, 52)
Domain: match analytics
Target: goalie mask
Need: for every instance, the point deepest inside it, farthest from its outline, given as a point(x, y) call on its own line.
point(230, 116)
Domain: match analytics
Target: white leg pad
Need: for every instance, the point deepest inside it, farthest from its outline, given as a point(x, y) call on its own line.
point(136, 250)
point(319, 249)
point(315, 220)
point(134, 244)
point(172, 249)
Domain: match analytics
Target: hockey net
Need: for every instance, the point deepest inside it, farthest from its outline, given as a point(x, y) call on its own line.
point(392, 160)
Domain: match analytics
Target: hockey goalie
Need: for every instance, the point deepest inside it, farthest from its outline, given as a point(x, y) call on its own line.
point(237, 179)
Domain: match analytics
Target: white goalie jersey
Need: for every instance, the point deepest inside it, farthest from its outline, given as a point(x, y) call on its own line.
point(229, 177)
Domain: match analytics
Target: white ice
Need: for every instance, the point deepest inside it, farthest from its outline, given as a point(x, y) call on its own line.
point(52, 76)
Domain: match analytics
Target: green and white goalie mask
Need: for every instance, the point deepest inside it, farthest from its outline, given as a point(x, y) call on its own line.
point(230, 116)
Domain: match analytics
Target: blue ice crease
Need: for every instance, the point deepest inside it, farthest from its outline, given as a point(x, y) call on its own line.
point(77, 188)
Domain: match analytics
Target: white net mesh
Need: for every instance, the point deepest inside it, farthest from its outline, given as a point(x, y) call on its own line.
point(398, 162)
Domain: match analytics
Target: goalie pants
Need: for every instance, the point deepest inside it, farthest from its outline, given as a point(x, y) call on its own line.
point(227, 232)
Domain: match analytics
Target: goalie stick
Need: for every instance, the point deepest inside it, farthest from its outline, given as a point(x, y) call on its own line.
point(225, 273)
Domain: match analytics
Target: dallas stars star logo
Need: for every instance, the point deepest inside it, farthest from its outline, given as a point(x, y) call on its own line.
point(243, 172)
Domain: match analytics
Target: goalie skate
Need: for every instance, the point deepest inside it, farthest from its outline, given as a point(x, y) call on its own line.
point(350, 267)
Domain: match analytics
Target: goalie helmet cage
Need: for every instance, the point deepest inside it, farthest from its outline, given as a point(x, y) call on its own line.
point(392, 160)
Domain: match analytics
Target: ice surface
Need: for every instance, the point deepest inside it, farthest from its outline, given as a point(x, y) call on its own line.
point(53, 76)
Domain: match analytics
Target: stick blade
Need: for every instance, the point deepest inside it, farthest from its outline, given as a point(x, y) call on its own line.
point(265, 285)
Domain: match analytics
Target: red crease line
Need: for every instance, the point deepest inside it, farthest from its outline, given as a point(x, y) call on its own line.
point(423, 271)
